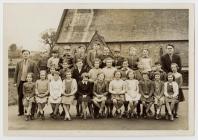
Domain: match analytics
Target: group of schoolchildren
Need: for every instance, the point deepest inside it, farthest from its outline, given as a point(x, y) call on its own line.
point(102, 85)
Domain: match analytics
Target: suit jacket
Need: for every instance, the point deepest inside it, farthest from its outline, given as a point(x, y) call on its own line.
point(91, 58)
point(85, 89)
point(32, 67)
point(166, 62)
point(77, 75)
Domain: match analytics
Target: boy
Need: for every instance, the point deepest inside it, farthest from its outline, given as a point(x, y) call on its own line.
point(118, 59)
point(133, 59)
point(158, 69)
point(93, 73)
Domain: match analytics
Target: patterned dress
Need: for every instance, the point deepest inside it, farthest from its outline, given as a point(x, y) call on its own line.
point(132, 93)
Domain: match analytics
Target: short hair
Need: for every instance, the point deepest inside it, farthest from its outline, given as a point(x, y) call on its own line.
point(170, 45)
point(131, 71)
point(170, 73)
point(108, 58)
point(157, 73)
point(157, 63)
point(85, 74)
point(100, 74)
point(68, 71)
point(43, 71)
point(54, 51)
point(125, 60)
point(117, 72)
point(25, 51)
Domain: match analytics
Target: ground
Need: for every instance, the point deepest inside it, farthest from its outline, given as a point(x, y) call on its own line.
point(18, 123)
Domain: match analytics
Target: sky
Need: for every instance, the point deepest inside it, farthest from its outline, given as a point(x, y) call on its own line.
point(24, 23)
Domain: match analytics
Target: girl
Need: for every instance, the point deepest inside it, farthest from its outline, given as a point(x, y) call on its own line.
point(132, 93)
point(171, 93)
point(51, 74)
point(158, 94)
point(56, 89)
point(28, 99)
point(69, 90)
point(117, 90)
point(100, 91)
point(84, 95)
point(179, 80)
point(146, 60)
point(42, 91)
point(64, 69)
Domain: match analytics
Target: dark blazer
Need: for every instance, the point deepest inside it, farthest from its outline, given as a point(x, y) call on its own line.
point(77, 75)
point(32, 67)
point(85, 89)
point(91, 58)
point(166, 62)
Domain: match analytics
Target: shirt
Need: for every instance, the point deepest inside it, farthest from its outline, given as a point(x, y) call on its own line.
point(24, 70)
point(109, 73)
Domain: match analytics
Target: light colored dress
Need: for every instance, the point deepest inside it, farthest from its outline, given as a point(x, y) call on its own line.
point(42, 88)
point(171, 89)
point(56, 89)
point(69, 87)
point(53, 62)
point(132, 88)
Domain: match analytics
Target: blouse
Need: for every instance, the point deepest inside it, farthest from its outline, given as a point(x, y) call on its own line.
point(117, 87)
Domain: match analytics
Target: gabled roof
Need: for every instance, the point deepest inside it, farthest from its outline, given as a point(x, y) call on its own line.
point(123, 25)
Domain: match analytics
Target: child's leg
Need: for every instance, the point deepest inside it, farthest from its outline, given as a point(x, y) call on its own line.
point(29, 108)
point(96, 103)
point(168, 108)
point(40, 109)
point(90, 107)
point(148, 106)
point(56, 108)
point(115, 104)
point(102, 106)
point(172, 105)
point(126, 104)
point(176, 109)
point(84, 109)
point(65, 108)
point(67, 112)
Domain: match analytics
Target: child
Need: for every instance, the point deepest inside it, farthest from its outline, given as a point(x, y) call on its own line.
point(106, 54)
point(69, 90)
point(125, 69)
point(64, 70)
point(80, 54)
point(132, 93)
point(158, 95)
point(42, 91)
point(171, 93)
point(179, 80)
point(51, 74)
point(100, 90)
point(146, 60)
point(54, 60)
point(117, 90)
point(118, 59)
point(146, 91)
point(56, 90)
point(28, 99)
point(95, 71)
point(42, 64)
point(139, 72)
point(158, 69)
point(133, 59)
point(84, 95)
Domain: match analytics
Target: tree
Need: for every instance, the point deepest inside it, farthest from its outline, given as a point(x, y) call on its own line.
point(14, 52)
point(13, 47)
point(48, 37)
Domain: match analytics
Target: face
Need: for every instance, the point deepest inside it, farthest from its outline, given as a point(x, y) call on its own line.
point(29, 78)
point(131, 75)
point(67, 50)
point(117, 75)
point(145, 52)
point(81, 50)
point(170, 78)
point(79, 64)
point(101, 77)
point(174, 68)
point(145, 76)
point(96, 64)
point(26, 55)
point(68, 75)
point(65, 65)
point(108, 63)
point(55, 54)
point(140, 66)
point(56, 77)
point(106, 50)
point(42, 75)
point(153, 68)
point(125, 64)
point(132, 51)
point(96, 46)
point(117, 53)
point(157, 77)
point(169, 49)
point(52, 70)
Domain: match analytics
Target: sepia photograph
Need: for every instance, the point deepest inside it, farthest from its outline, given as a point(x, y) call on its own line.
point(94, 69)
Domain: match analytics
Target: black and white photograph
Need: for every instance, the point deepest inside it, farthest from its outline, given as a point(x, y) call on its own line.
point(89, 68)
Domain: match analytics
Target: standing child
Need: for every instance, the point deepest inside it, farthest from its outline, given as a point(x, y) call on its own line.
point(158, 69)
point(133, 58)
point(100, 91)
point(146, 60)
point(28, 99)
point(158, 95)
point(54, 60)
point(132, 93)
point(84, 95)
point(146, 91)
point(117, 90)
point(56, 89)
point(42, 91)
point(171, 93)
point(179, 80)
point(93, 73)
point(64, 70)
point(69, 90)
point(51, 74)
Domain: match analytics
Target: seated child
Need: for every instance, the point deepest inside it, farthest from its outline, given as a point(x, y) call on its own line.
point(56, 90)
point(42, 92)
point(69, 91)
point(84, 95)
point(117, 90)
point(100, 91)
point(28, 96)
point(171, 94)
point(132, 93)
point(146, 91)
point(158, 69)
point(158, 95)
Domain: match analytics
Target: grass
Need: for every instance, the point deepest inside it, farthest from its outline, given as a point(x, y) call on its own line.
point(12, 92)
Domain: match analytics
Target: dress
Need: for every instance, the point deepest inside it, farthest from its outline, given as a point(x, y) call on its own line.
point(100, 88)
point(28, 91)
point(171, 89)
point(146, 88)
point(179, 80)
point(146, 62)
point(69, 86)
point(56, 89)
point(158, 92)
point(41, 88)
point(132, 93)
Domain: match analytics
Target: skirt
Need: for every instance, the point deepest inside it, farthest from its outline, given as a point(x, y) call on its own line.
point(67, 100)
point(55, 101)
point(169, 100)
point(132, 96)
point(27, 101)
point(181, 97)
point(84, 99)
point(118, 97)
point(41, 100)
point(148, 100)
point(100, 99)
point(159, 101)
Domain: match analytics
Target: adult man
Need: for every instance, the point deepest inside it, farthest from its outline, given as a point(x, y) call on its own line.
point(66, 57)
point(24, 67)
point(170, 57)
